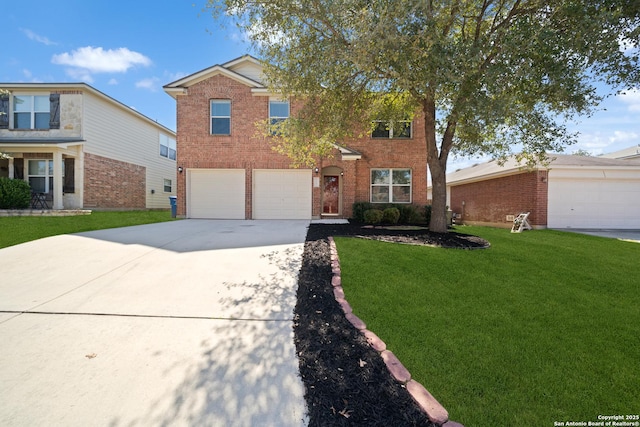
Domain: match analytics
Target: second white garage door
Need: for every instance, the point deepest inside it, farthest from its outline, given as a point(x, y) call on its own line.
point(216, 193)
point(282, 194)
point(593, 203)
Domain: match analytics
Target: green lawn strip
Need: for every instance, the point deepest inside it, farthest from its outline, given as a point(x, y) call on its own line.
point(20, 229)
point(541, 327)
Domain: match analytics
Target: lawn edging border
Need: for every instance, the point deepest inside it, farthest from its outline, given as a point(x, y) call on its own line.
point(434, 410)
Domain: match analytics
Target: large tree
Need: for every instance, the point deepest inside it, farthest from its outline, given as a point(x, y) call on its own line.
point(488, 77)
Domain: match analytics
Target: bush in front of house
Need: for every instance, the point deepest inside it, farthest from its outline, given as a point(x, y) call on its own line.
point(359, 208)
point(373, 216)
point(14, 194)
point(427, 214)
point(409, 214)
point(390, 216)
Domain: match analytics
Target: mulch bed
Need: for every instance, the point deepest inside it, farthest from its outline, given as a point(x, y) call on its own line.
point(346, 382)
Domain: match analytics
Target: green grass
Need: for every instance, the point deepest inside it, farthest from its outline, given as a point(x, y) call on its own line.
point(20, 229)
point(544, 326)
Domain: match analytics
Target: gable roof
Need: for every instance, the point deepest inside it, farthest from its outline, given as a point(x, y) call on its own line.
point(492, 169)
point(245, 69)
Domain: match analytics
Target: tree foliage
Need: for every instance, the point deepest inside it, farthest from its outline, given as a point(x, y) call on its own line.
point(486, 75)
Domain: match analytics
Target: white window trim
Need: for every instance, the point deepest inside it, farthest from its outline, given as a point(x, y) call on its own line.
point(32, 125)
point(390, 185)
point(164, 185)
point(281, 101)
point(47, 177)
point(165, 138)
point(391, 130)
point(211, 116)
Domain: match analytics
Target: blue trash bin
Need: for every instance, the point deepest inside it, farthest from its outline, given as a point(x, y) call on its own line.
point(174, 205)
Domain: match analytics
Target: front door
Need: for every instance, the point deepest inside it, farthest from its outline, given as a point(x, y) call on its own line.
point(331, 195)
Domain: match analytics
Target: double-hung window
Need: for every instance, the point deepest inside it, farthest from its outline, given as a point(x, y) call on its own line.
point(31, 112)
point(278, 113)
point(390, 185)
point(40, 175)
point(387, 129)
point(167, 147)
point(167, 185)
point(220, 117)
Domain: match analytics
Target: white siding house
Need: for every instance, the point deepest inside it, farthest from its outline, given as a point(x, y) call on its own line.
point(83, 149)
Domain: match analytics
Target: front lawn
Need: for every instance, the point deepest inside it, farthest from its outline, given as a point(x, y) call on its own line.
point(543, 327)
point(20, 229)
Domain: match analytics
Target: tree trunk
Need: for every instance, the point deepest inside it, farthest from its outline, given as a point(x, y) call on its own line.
point(437, 162)
point(438, 222)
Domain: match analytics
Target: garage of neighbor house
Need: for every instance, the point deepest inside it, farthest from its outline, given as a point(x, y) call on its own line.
point(571, 192)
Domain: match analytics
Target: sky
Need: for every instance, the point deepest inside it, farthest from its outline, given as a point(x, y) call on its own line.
point(129, 50)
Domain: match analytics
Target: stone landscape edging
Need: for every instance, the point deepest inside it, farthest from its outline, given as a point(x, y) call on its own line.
point(434, 410)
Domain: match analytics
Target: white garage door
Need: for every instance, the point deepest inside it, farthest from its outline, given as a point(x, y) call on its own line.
point(216, 193)
point(282, 194)
point(593, 203)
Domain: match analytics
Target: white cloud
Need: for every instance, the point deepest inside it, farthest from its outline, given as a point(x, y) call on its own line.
point(97, 60)
point(29, 77)
point(620, 137)
point(150, 83)
point(113, 82)
point(172, 77)
point(80, 75)
point(631, 98)
point(38, 38)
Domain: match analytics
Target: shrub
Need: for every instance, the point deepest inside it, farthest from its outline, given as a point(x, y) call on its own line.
point(390, 215)
point(14, 194)
point(359, 208)
point(409, 214)
point(373, 216)
point(427, 214)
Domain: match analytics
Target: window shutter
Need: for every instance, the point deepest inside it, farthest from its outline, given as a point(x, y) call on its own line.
point(4, 111)
point(54, 111)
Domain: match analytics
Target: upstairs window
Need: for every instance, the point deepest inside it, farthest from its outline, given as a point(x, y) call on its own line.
point(220, 117)
point(167, 147)
point(278, 113)
point(390, 185)
point(31, 111)
point(386, 129)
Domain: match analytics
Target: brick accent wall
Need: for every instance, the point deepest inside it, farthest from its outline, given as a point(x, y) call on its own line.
point(197, 148)
point(490, 201)
point(112, 184)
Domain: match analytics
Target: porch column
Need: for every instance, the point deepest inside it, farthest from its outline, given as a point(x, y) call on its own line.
point(57, 180)
point(11, 175)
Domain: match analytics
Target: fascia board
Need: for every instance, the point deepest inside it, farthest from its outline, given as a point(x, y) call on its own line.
point(210, 72)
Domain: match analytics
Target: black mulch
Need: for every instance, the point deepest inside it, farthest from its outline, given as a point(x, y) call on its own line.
point(346, 381)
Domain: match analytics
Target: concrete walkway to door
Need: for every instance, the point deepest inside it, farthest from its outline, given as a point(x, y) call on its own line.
point(184, 323)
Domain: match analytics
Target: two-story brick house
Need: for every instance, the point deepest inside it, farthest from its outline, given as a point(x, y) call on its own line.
point(79, 148)
point(226, 171)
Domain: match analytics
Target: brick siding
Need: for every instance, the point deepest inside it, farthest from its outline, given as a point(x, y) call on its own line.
point(490, 201)
point(112, 184)
point(197, 148)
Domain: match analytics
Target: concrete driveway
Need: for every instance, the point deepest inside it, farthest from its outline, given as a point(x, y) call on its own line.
point(626, 235)
point(184, 323)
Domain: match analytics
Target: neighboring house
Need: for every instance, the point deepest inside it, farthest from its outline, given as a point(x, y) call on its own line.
point(625, 154)
point(572, 192)
point(227, 171)
point(80, 148)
